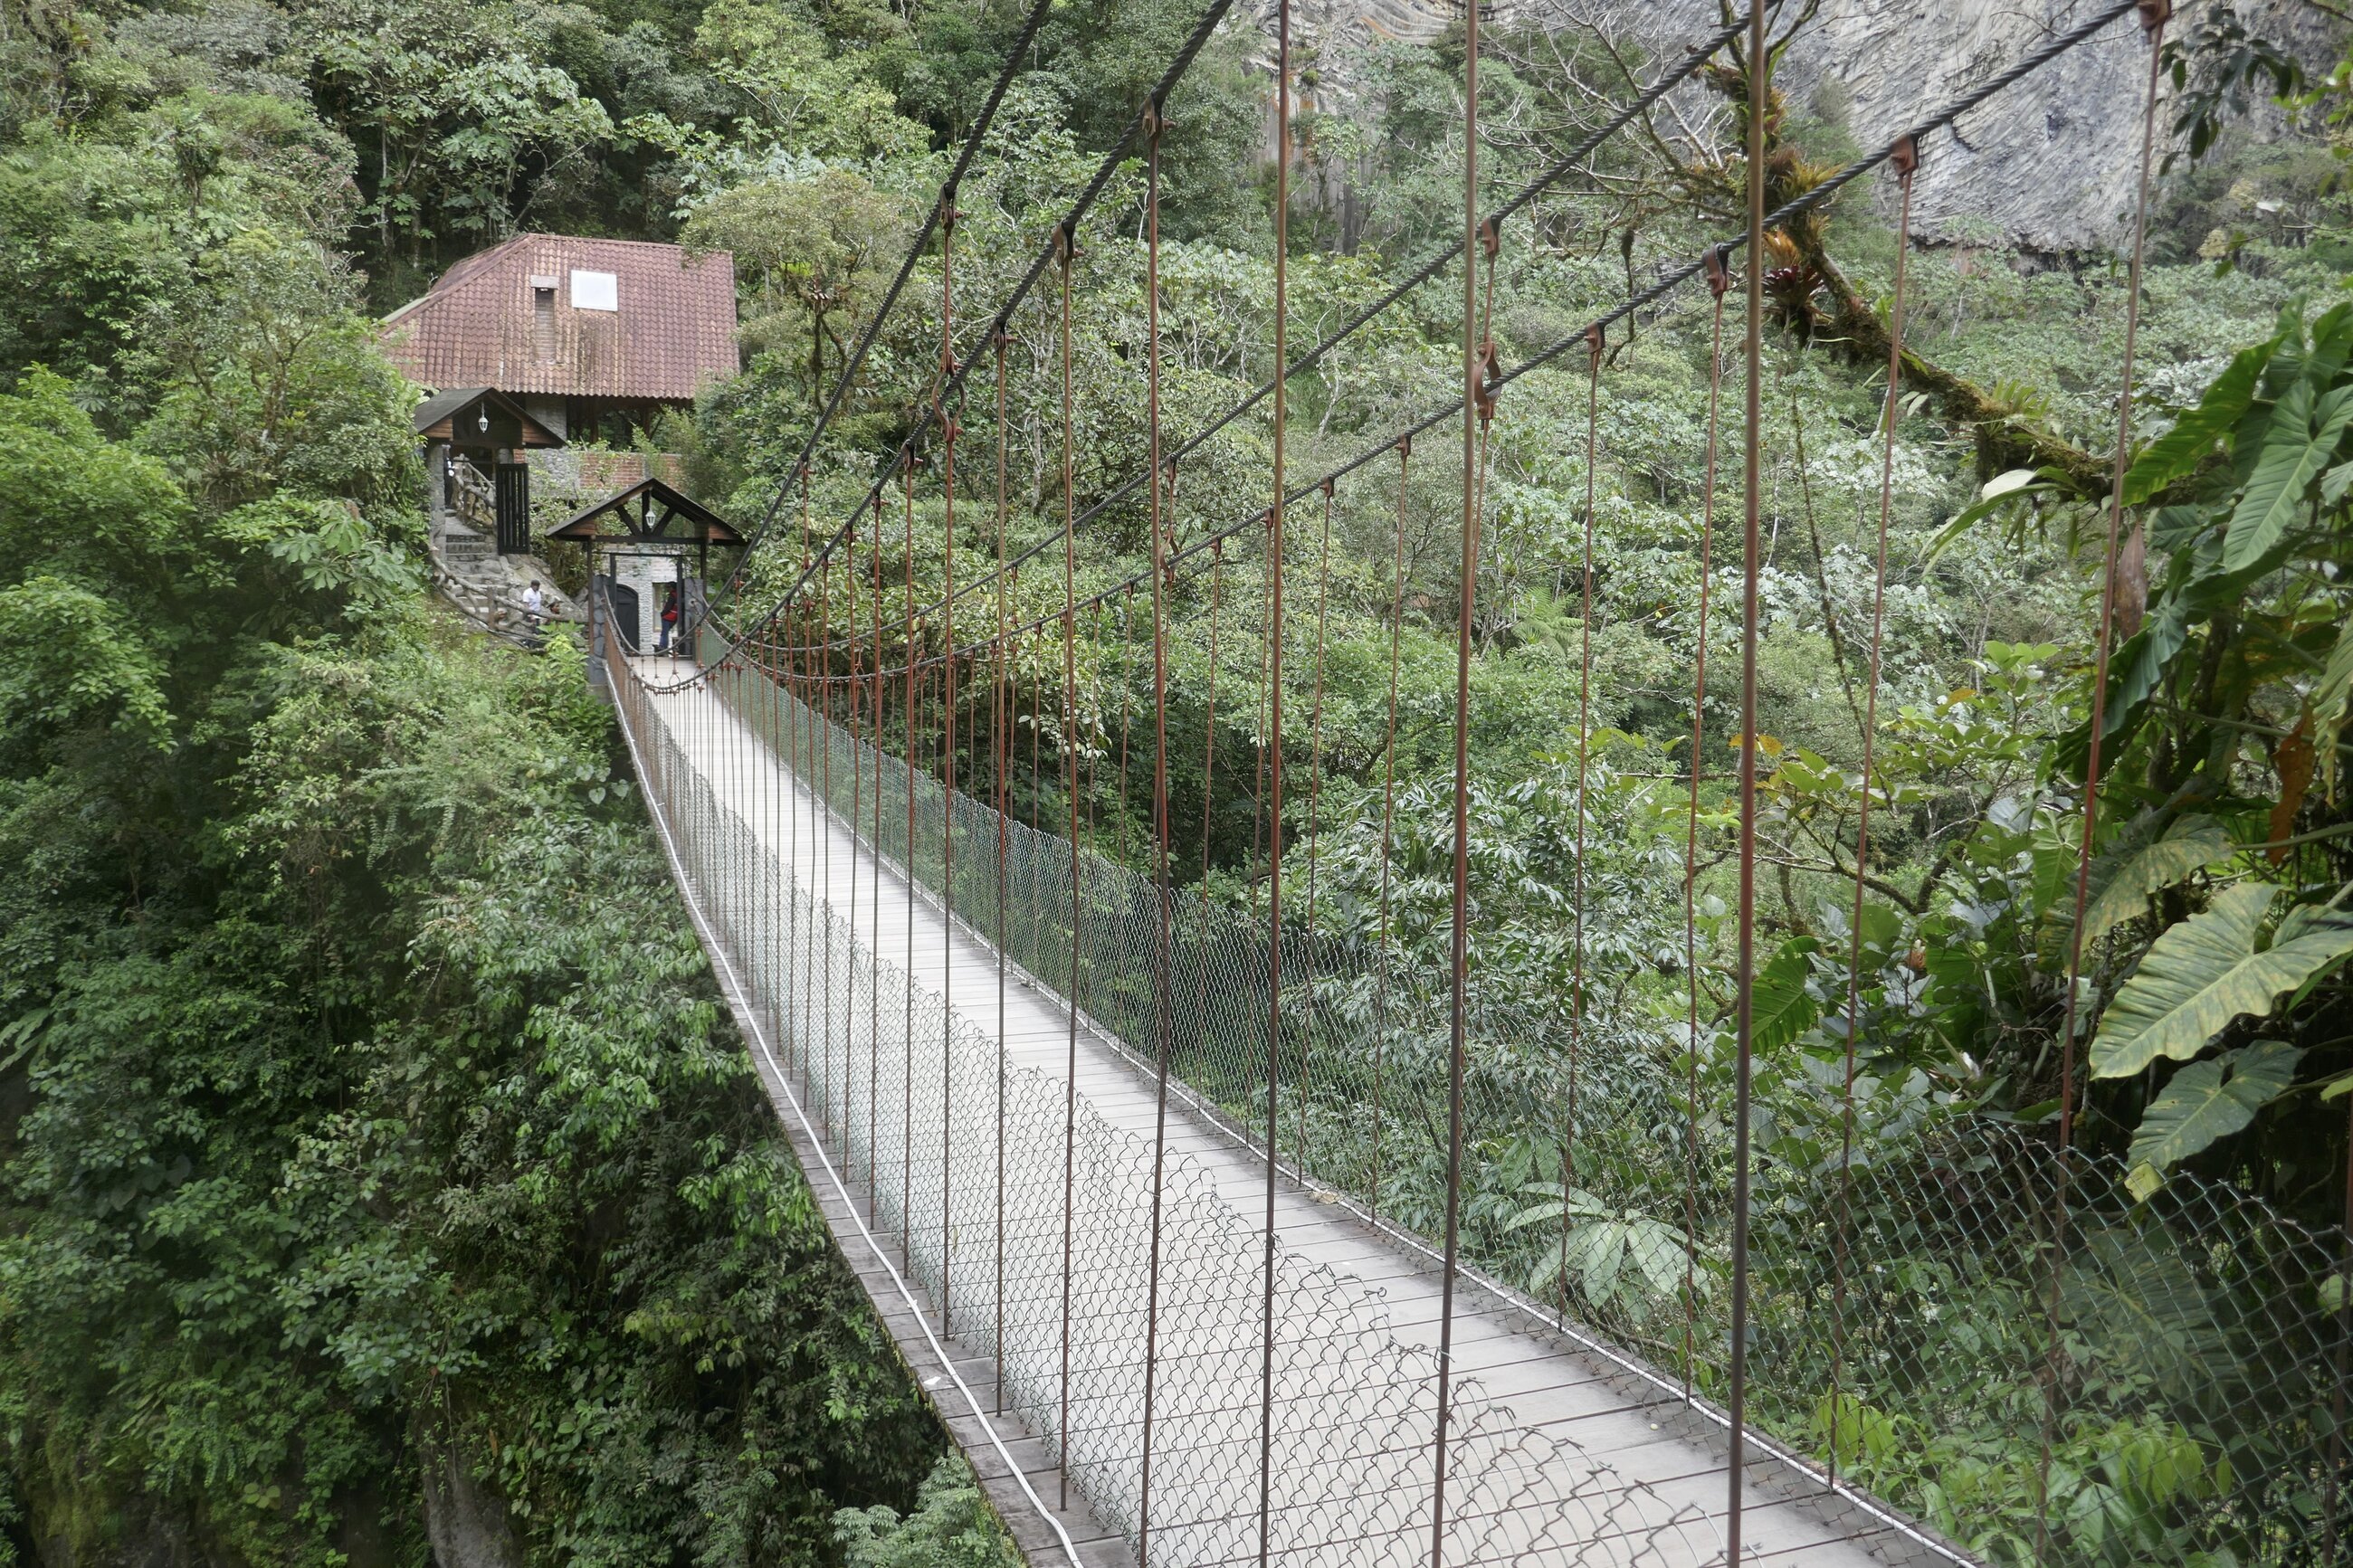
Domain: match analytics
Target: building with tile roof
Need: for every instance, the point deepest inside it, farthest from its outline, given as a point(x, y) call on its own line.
point(589, 336)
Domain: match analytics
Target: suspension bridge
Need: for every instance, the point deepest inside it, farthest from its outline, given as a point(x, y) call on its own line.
point(1120, 1163)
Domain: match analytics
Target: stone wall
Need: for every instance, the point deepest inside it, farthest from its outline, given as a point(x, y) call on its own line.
point(581, 476)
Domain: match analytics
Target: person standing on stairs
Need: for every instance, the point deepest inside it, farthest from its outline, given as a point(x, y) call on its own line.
point(534, 605)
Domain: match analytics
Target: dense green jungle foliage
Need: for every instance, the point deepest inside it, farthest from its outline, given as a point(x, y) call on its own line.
point(354, 1158)
point(379, 1176)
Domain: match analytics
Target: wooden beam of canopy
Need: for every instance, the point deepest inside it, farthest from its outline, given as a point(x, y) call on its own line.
point(647, 513)
point(480, 416)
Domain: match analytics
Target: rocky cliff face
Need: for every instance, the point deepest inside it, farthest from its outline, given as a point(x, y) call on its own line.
point(2047, 165)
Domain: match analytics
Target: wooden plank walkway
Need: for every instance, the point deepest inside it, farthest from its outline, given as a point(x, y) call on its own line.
point(1648, 1484)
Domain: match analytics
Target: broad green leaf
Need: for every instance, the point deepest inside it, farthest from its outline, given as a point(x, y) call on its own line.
point(2172, 527)
point(2331, 702)
point(2334, 482)
point(2211, 1099)
point(2297, 444)
point(2180, 450)
point(2140, 663)
point(1998, 492)
point(1783, 1008)
point(2194, 843)
point(2203, 973)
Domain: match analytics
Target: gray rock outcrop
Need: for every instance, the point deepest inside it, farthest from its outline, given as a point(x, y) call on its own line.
point(2047, 165)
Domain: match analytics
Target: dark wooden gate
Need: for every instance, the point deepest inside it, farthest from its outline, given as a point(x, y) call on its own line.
point(624, 602)
point(514, 508)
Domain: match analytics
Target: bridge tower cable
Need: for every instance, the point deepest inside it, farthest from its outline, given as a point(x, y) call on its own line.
point(875, 914)
point(870, 697)
point(1718, 280)
point(1126, 686)
point(1759, 98)
point(1273, 748)
point(1000, 721)
point(2154, 15)
point(1667, 283)
point(863, 680)
point(1560, 169)
point(1813, 197)
point(1593, 349)
point(1907, 163)
point(1209, 782)
point(1067, 253)
point(795, 986)
point(1388, 824)
point(1315, 821)
point(1013, 59)
point(907, 781)
point(1113, 159)
point(820, 725)
point(1162, 1022)
point(1473, 366)
point(951, 428)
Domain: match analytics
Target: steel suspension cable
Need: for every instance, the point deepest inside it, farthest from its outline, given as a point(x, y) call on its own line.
point(907, 778)
point(821, 720)
point(1906, 164)
point(1459, 953)
point(1208, 791)
point(1001, 698)
point(854, 687)
point(1666, 284)
point(2154, 15)
point(1126, 681)
point(1584, 782)
point(953, 386)
point(1315, 821)
point(791, 654)
point(874, 915)
point(950, 429)
point(948, 188)
point(1428, 271)
point(1718, 280)
point(1068, 242)
point(1163, 1024)
point(1760, 72)
point(1274, 756)
point(1388, 819)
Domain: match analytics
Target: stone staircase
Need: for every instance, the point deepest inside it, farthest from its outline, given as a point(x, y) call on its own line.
point(488, 588)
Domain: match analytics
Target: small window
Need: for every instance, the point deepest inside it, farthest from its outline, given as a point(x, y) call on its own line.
point(595, 291)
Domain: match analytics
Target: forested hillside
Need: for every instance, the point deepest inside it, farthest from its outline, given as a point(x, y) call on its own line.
point(381, 1177)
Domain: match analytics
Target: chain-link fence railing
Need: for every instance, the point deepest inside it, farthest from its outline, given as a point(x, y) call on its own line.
point(926, 1111)
point(2014, 1350)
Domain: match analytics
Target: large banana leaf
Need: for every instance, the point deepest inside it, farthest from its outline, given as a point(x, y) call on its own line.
point(2203, 973)
point(2200, 1104)
point(2298, 441)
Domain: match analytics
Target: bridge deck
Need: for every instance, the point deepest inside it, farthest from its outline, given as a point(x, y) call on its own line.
point(1645, 1435)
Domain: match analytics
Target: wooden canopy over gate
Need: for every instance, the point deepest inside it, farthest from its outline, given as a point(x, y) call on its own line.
point(647, 513)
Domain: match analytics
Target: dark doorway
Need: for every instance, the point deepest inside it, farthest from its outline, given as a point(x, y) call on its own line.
point(514, 508)
point(624, 601)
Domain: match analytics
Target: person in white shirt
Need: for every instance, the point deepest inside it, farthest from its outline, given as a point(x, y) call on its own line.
point(532, 603)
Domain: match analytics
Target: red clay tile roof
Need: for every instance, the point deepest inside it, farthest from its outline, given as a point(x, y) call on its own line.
point(478, 325)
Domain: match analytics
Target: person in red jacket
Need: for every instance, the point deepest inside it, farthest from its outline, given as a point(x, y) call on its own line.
point(669, 613)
